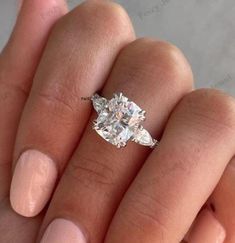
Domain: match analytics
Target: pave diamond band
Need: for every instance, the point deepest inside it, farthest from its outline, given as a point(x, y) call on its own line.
point(119, 120)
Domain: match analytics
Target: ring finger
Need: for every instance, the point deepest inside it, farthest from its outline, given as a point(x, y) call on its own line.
point(156, 76)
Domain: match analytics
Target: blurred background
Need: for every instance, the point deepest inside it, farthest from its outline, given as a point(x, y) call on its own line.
point(203, 29)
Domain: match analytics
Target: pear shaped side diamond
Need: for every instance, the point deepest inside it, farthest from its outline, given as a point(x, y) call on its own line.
point(143, 137)
point(98, 102)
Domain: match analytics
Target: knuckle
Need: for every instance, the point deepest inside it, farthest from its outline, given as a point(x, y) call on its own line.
point(172, 62)
point(216, 107)
point(103, 19)
point(106, 14)
point(55, 101)
point(163, 60)
point(54, 9)
point(147, 212)
point(9, 82)
point(91, 172)
point(11, 90)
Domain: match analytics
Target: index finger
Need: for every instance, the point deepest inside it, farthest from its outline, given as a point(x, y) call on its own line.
point(18, 62)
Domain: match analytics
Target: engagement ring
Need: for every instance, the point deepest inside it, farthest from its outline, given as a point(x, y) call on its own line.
point(119, 120)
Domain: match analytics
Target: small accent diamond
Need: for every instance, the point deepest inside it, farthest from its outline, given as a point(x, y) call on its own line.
point(143, 137)
point(99, 102)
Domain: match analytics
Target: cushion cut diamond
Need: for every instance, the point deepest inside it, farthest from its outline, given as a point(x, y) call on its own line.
point(119, 120)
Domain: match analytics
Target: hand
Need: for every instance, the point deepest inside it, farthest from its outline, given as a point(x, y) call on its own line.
point(70, 185)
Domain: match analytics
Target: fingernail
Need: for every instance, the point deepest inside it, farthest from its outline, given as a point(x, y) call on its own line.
point(207, 229)
point(32, 183)
point(63, 231)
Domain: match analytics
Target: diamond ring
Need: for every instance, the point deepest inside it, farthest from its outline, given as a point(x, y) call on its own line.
point(119, 120)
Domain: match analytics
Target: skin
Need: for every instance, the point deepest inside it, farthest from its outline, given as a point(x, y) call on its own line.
point(143, 193)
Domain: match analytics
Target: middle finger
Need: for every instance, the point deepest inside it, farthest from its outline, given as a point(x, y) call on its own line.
point(75, 63)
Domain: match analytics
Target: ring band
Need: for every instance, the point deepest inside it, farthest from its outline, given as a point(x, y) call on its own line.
point(119, 120)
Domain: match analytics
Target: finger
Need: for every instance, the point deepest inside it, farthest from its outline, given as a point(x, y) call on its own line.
point(76, 62)
point(15, 228)
point(207, 229)
point(18, 62)
point(179, 176)
point(222, 201)
point(149, 73)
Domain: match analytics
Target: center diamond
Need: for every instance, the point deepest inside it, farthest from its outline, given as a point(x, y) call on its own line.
point(118, 118)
